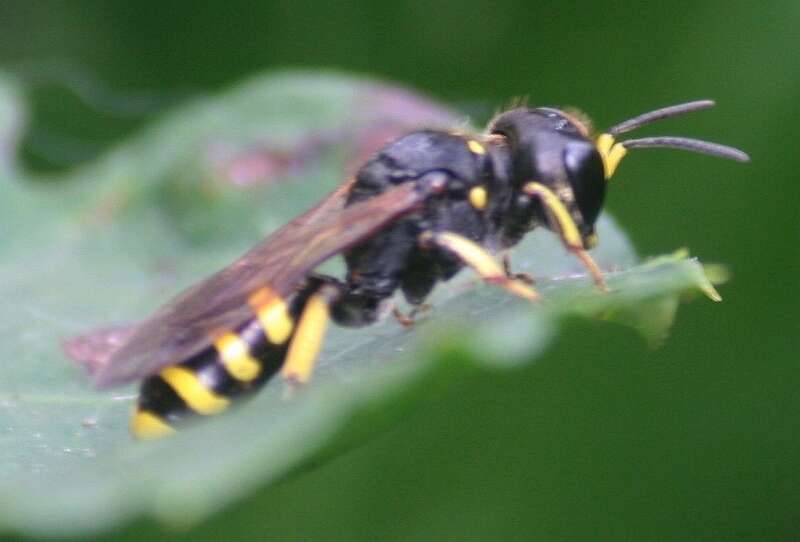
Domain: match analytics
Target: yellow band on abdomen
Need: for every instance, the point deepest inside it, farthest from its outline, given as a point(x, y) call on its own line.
point(273, 314)
point(235, 356)
point(146, 425)
point(189, 388)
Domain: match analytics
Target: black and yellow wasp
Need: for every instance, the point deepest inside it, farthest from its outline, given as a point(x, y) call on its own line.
point(418, 211)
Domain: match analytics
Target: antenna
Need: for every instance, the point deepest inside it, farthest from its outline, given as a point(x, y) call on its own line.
point(672, 142)
point(688, 144)
point(658, 114)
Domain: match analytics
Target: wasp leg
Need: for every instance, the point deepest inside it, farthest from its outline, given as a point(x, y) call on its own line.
point(592, 267)
point(308, 336)
point(407, 320)
point(564, 224)
point(478, 259)
point(522, 277)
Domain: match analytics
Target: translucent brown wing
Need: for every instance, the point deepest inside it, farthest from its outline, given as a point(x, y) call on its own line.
point(187, 324)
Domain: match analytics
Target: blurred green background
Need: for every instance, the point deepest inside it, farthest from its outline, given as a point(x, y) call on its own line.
point(603, 438)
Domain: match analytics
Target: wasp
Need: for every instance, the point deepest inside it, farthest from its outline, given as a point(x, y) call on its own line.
point(418, 211)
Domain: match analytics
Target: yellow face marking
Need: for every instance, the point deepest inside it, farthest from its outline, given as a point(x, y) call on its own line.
point(273, 313)
point(603, 144)
point(478, 197)
point(612, 153)
point(482, 262)
point(145, 425)
point(189, 388)
point(235, 356)
point(567, 226)
point(307, 341)
point(591, 241)
point(476, 147)
point(618, 152)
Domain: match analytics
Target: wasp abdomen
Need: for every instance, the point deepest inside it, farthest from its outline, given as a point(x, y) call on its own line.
point(236, 365)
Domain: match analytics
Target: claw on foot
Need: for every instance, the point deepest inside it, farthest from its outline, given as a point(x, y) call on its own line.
point(594, 270)
point(407, 320)
point(523, 277)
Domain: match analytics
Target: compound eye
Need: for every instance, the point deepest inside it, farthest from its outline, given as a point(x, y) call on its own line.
point(585, 172)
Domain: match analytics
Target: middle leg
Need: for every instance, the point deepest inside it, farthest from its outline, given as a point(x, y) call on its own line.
point(476, 257)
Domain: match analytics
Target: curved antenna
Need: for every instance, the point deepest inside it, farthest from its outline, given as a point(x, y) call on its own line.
point(688, 144)
point(658, 114)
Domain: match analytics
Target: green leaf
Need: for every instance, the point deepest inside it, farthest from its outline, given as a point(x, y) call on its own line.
point(114, 239)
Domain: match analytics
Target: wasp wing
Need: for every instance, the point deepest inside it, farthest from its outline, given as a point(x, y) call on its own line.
point(190, 322)
point(94, 350)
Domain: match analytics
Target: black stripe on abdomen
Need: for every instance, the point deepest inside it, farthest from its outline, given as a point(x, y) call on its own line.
point(237, 365)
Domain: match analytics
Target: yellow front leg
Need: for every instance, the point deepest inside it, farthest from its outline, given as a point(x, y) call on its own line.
point(562, 222)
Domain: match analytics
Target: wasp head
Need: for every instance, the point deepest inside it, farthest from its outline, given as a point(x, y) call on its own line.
point(555, 171)
point(558, 170)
